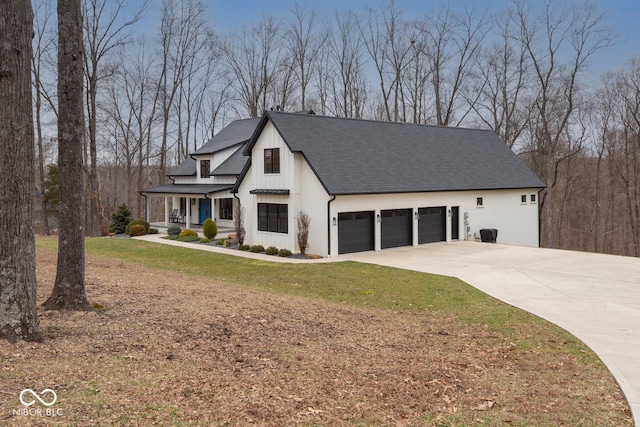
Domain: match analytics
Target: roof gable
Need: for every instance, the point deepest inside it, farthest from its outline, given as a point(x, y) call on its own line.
point(188, 167)
point(351, 156)
point(236, 132)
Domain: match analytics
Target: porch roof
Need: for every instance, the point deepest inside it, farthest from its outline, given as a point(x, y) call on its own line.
point(188, 189)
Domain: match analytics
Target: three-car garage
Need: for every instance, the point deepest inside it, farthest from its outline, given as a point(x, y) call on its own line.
point(357, 230)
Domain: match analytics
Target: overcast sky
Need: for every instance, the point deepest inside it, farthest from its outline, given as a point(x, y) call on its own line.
point(624, 17)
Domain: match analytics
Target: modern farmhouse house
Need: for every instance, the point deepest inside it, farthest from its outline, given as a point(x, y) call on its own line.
point(367, 185)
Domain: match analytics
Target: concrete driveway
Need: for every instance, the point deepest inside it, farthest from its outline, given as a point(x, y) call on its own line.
point(595, 297)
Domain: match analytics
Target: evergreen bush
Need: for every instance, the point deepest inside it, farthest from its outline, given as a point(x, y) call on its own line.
point(141, 222)
point(257, 249)
point(209, 228)
point(120, 219)
point(284, 253)
point(190, 233)
point(174, 230)
point(137, 230)
point(271, 250)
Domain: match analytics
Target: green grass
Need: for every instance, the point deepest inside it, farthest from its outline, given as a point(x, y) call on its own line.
point(344, 282)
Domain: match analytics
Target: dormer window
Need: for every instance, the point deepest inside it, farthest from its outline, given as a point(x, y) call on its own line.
point(205, 166)
point(272, 160)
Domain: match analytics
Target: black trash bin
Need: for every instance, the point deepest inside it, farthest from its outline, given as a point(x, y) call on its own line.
point(489, 235)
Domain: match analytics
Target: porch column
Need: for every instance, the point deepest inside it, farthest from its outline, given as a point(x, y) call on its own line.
point(187, 218)
point(213, 209)
point(166, 211)
point(147, 208)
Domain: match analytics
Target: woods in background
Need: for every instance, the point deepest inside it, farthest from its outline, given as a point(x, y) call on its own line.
point(160, 80)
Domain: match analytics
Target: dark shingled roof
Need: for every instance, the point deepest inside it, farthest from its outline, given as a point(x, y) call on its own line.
point(186, 168)
point(351, 156)
point(233, 165)
point(234, 133)
point(188, 189)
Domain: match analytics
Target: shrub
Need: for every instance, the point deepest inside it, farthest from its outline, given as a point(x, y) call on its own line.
point(244, 247)
point(284, 253)
point(271, 250)
point(191, 233)
point(171, 237)
point(257, 249)
point(220, 242)
point(120, 219)
point(209, 228)
point(137, 230)
point(174, 230)
point(205, 240)
point(188, 239)
point(153, 231)
point(142, 222)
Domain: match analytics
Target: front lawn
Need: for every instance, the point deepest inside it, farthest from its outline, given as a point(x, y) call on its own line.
point(188, 337)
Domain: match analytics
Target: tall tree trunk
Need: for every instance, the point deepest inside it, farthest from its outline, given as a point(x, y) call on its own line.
point(69, 289)
point(18, 320)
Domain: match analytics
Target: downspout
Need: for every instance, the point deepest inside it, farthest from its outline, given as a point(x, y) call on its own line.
point(212, 212)
point(539, 219)
point(329, 223)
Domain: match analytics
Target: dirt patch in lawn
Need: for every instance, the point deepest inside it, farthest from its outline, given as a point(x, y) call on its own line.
point(171, 349)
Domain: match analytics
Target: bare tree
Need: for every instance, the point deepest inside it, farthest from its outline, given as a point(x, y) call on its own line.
point(186, 49)
point(107, 25)
point(304, 48)
point(238, 223)
point(18, 319)
point(43, 45)
point(576, 33)
point(69, 288)
point(504, 85)
point(348, 87)
point(253, 56)
point(452, 40)
point(392, 48)
point(303, 221)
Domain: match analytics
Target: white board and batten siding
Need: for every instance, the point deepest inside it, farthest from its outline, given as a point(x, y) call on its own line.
point(516, 221)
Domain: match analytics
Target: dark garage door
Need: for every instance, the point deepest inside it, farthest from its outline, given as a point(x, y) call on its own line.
point(355, 232)
point(432, 226)
point(396, 228)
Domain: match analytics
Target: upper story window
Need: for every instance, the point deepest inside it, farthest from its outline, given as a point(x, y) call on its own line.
point(205, 166)
point(533, 198)
point(523, 198)
point(272, 160)
point(479, 202)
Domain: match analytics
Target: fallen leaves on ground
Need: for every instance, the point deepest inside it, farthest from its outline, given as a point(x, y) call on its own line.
point(170, 349)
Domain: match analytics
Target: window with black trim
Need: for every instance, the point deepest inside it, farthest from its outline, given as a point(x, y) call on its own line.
point(205, 165)
point(272, 160)
point(523, 198)
point(533, 198)
point(479, 202)
point(226, 209)
point(273, 217)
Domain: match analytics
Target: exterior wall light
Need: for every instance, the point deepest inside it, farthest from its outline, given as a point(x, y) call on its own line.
point(378, 218)
point(335, 221)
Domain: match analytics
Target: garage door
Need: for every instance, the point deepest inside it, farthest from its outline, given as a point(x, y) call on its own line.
point(396, 228)
point(355, 232)
point(432, 225)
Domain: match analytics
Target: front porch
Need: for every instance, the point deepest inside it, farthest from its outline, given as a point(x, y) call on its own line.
point(188, 206)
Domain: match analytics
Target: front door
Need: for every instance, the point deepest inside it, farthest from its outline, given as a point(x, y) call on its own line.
point(204, 209)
